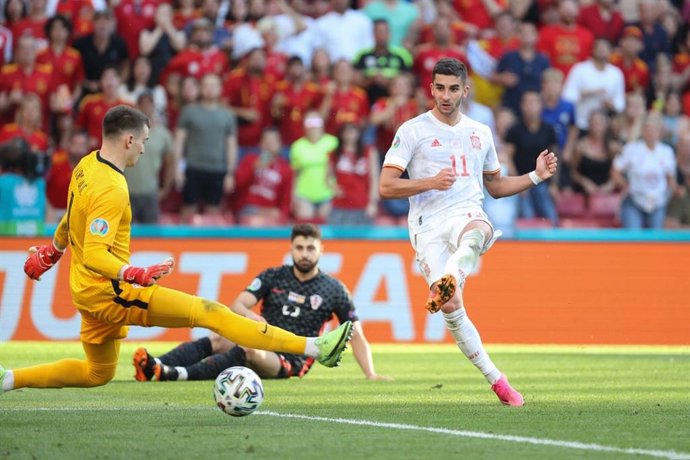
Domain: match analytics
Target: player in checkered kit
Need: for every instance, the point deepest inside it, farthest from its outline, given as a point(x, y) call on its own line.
point(298, 297)
point(449, 159)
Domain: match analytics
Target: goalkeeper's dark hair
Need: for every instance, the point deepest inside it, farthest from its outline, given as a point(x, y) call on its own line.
point(305, 230)
point(450, 66)
point(123, 119)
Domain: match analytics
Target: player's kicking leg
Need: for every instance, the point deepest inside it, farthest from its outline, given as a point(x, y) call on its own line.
point(171, 308)
point(463, 261)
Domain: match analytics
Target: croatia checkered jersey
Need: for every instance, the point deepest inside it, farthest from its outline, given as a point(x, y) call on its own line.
point(424, 146)
point(301, 307)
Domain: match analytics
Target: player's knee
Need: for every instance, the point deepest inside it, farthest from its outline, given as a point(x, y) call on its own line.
point(474, 239)
point(100, 374)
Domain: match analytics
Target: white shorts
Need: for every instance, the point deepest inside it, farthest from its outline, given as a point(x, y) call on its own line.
point(435, 246)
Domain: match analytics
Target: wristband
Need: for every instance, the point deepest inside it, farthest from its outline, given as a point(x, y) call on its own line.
point(534, 177)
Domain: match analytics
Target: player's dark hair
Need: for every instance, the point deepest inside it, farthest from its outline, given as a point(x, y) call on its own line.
point(123, 119)
point(48, 26)
point(450, 66)
point(305, 230)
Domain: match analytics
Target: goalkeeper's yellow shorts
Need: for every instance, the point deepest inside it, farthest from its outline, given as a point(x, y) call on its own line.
point(107, 315)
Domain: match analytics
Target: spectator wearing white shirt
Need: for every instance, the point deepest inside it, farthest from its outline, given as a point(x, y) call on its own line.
point(344, 31)
point(595, 84)
point(297, 32)
point(645, 171)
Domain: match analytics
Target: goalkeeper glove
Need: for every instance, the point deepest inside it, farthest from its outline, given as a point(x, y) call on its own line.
point(146, 276)
point(41, 259)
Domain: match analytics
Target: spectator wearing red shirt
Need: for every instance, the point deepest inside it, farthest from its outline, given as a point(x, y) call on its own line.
point(33, 24)
point(80, 13)
point(461, 31)
point(627, 59)
point(294, 97)
point(681, 63)
point(27, 125)
point(428, 54)
point(566, 43)
point(200, 56)
point(506, 39)
point(480, 13)
point(57, 179)
point(276, 61)
point(603, 19)
point(180, 91)
point(389, 113)
point(13, 12)
point(320, 71)
point(23, 77)
point(68, 69)
point(356, 170)
point(185, 12)
point(248, 91)
point(93, 107)
point(343, 102)
point(263, 184)
point(133, 17)
point(5, 45)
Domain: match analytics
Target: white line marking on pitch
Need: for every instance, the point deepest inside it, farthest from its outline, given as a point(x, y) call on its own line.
point(669, 454)
point(499, 437)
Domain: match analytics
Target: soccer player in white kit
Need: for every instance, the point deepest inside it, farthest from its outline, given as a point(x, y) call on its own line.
point(449, 157)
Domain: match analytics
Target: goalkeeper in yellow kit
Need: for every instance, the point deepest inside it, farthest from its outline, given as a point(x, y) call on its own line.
point(111, 294)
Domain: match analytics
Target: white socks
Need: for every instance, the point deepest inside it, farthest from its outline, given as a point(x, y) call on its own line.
point(469, 342)
point(311, 349)
point(8, 381)
point(181, 373)
point(464, 260)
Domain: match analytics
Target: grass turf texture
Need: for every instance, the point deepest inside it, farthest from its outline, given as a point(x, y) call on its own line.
point(622, 397)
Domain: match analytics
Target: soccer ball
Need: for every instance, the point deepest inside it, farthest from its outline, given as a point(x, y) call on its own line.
point(238, 391)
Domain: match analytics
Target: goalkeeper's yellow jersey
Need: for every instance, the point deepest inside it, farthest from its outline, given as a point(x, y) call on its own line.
point(97, 227)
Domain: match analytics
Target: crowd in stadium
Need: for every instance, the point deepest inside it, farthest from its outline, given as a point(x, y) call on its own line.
point(266, 112)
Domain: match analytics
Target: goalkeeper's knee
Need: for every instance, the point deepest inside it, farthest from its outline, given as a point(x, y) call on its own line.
point(100, 374)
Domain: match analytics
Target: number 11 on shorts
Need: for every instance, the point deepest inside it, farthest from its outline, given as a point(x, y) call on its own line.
point(463, 161)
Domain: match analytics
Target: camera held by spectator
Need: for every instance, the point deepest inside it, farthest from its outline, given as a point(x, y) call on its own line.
point(16, 156)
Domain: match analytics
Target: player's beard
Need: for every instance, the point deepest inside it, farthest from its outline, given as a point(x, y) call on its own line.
point(305, 266)
point(451, 109)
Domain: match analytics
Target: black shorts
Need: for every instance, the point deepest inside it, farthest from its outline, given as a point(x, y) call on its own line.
point(293, 365)
point(202, 186)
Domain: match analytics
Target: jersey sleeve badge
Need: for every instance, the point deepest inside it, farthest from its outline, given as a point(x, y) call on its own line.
point(99, 227)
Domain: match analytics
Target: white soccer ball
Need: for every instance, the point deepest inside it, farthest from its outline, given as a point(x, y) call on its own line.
point(238, 391)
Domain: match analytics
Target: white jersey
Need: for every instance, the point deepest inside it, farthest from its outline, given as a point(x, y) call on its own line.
point(647, 172)
point(424, 146)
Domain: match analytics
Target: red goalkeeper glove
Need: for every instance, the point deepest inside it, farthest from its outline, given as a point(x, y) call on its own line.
point(41, 259)
point(146, 276)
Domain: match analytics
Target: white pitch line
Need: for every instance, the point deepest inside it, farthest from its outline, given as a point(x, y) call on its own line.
point(669, 454)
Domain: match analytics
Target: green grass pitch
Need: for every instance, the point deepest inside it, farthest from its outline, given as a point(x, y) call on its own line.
point(581, 403)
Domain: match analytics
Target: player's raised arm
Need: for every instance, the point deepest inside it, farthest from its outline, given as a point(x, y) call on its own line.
point(500, 186)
